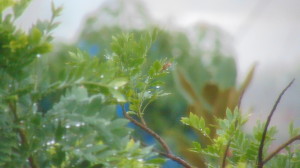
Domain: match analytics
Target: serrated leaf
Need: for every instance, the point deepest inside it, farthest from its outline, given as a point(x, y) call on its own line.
point(196, 147)
point(229, 114)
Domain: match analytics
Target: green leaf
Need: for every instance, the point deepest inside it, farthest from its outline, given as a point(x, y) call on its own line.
point(19, 7)
point(229, 114)
point(118, 82)
point(197, 123)
point(196, 147)
point(5, 3)
point(119, 97)
point(35, 35)
point(55, 11)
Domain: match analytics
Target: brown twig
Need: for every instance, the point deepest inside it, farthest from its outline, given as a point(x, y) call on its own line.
point(260, 162)
point(242, 93)
point(22, 134)
point(274, 153)
point(164, 145)
point(225, 154)
point(229, 142)
point(176, 159)
point(228, 145)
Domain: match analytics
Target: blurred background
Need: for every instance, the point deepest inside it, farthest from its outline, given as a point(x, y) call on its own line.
point(241, 32)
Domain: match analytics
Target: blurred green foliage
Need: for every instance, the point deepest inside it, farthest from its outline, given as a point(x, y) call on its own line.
point(58, 108)
point(80, 127)
point(204, 73)
point(242, 148)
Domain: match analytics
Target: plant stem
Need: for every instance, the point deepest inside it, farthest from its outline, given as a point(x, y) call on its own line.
point(22, 134)
point(225, 154)
point(159, 139)
point(274, 153)
point(177, 159)
point(260, 162)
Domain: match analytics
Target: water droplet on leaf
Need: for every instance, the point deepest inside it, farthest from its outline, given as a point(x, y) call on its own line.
point(51, 142)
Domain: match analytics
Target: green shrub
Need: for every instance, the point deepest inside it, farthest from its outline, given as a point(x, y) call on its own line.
point(79, 127)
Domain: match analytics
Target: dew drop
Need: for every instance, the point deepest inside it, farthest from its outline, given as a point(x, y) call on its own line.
point(101, 76)
point(38, 55)
point(157, 87)
point(116, 87)
point(68, 126)
point(78, 124)
point(51, 142)
point(34, 108)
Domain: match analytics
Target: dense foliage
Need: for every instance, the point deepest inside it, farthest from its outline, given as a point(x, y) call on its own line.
point(63, 114)
point(81, 129)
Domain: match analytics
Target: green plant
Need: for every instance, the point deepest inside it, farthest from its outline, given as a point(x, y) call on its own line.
point(81, 129)
point(232, 147)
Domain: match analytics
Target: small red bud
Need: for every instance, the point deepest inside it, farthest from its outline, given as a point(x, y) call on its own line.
point(229, 153)
point(166, 66)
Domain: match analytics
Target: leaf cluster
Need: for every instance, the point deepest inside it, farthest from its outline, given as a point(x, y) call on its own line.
point(238, 148)
point(79, 128)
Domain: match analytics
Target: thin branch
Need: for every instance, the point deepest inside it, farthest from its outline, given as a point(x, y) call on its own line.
point(228, 146)
point(143, 121)
point(225, 154)
point(158, 138)
point(22, 134)
point(147, 104)
point(274, 153)
point(145, 128)
point(263, 138)
point(176, 159)
point(243, 90)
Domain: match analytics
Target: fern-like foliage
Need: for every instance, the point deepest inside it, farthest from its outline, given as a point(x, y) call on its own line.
point(238, 148)
point(85, 131)
point(78, 128)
